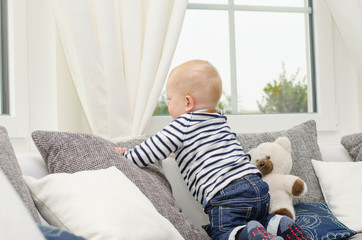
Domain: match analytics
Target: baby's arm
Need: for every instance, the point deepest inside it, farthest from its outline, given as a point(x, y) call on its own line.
point(120, 150)
point(157, 147)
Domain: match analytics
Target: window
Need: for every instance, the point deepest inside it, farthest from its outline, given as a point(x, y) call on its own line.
point(253, 43)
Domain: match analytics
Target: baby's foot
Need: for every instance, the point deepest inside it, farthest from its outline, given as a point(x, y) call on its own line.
point(289, 230)
point(255, 231)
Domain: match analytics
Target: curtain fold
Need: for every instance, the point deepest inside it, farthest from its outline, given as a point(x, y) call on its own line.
point(348, 18)
point(119, 53)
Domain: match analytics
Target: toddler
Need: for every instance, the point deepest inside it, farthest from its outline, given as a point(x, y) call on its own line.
point(211, 161)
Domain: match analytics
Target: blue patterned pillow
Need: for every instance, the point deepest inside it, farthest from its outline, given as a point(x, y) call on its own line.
point(53, 233)
point(318, 221)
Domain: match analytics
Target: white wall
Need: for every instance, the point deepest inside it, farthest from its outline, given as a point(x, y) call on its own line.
point(348, 94)
point(54, 104)
point(347, 87)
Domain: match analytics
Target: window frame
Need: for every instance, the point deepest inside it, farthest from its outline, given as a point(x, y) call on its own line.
point(4, 108)
point(16, 121)
point(325, 115)
point(32, 47)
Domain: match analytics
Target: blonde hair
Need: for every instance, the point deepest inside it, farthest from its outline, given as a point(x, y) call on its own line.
point(199, 79)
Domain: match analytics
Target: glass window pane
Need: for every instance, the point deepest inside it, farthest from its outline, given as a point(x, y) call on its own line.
point(269, 45)
point(204, 35)
point(284, 3)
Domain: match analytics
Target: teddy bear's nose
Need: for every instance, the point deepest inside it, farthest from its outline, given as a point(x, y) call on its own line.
point(262, 163)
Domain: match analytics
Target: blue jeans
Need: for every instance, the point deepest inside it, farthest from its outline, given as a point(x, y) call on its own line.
point(242, 200)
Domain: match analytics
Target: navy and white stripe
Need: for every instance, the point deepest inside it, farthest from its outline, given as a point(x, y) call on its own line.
point(207, 153)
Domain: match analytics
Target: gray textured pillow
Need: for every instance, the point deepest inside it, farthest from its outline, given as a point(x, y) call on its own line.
point(353, 144)
point(10, 166)
point(304, 148)
point(73, 152)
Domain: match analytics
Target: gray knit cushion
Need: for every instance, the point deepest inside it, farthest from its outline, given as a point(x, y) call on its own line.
point(72, 152)
point(353, 144)
point(304, 148)
point(10, 166)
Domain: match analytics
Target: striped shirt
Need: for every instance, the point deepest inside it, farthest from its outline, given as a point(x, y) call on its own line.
point(207, 153)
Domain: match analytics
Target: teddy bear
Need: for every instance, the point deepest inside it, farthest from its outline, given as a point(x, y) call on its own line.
point(274, 161)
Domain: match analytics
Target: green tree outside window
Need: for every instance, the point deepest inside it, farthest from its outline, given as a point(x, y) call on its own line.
point(286, 95)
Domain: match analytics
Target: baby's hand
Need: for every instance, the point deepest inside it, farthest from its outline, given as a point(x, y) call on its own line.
point(120, 150)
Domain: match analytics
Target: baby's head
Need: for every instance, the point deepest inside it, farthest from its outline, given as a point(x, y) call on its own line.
point(191, 86)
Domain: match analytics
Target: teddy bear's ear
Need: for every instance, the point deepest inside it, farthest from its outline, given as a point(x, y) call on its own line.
point(285, 143)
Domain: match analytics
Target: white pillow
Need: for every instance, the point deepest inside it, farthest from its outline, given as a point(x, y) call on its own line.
point(100, 204)
point(341, 184)
point(15, 219)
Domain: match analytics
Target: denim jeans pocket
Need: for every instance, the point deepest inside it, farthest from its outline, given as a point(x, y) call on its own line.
point(230, 217)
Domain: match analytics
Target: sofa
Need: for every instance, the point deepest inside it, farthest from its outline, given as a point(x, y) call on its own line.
point(75, 186)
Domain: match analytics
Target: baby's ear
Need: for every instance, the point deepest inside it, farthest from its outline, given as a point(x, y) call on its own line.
point(190, 103)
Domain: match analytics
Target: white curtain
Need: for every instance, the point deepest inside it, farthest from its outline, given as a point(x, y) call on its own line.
point(348, 18)
point(119, 53)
